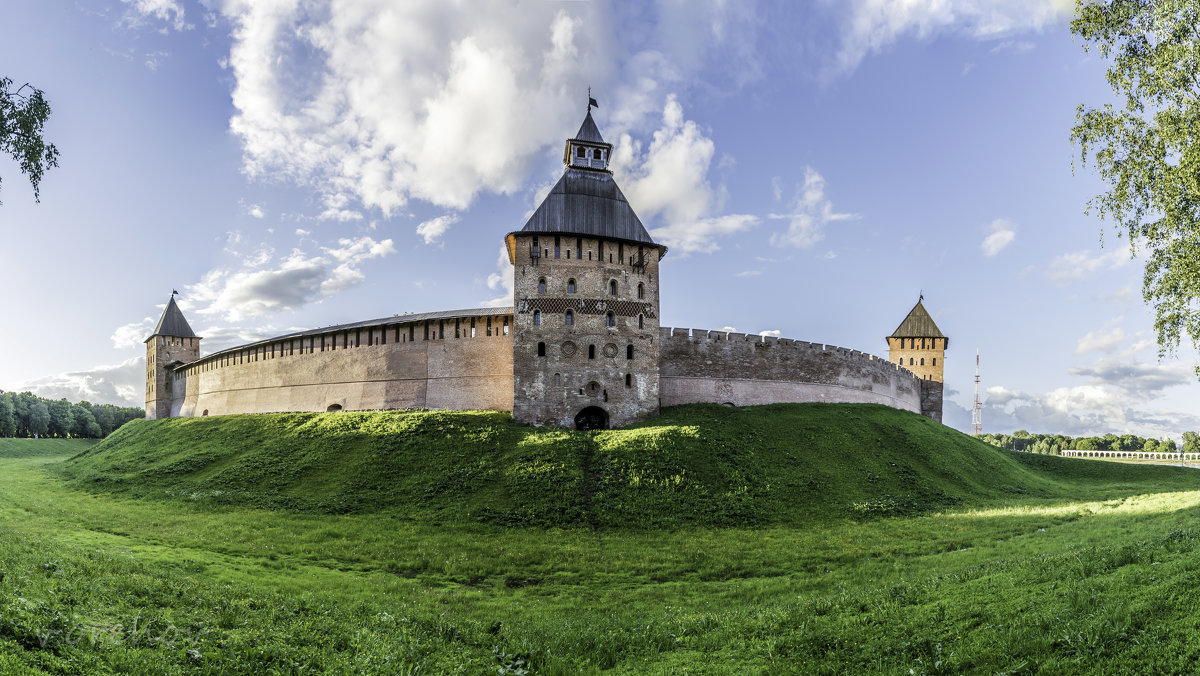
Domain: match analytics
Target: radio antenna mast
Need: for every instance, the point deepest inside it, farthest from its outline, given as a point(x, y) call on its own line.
point(977, 409)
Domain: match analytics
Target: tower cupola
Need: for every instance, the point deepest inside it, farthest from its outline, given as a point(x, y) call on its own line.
point(588, 149)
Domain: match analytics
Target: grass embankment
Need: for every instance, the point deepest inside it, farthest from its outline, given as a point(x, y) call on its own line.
point(1042, 564)
point(37, 448)
point(693, 465)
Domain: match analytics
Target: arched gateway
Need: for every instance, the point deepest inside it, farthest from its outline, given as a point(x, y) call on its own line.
point(591, 418)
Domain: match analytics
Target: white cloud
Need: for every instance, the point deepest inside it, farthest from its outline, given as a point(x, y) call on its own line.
point(170, 12)
point(810, 214)
point(870, 26)
point(122, 384)
point(1136, 377)
point(749, 273)
point(1002, 234)
point(1078, 265)
point(255, 288)
point(256, 211)
point(1100, 340)
point(728, 329)
point(134, 334)
point(774, 333)
point(501, 280)
point(670, 180)
point(433, 229)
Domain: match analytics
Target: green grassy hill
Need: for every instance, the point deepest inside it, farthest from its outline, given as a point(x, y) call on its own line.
point(692, 466)
point(40, 448)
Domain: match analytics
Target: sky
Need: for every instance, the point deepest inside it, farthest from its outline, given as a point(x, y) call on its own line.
point(813, 167)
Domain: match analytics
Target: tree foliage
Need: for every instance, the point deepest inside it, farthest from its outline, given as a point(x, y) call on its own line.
point(1054, 444)
point(23, 113)
point(25, 414)
point(1147, 148)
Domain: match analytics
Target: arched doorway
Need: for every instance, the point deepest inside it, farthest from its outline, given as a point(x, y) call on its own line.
point(333, 407)
point(591, 418)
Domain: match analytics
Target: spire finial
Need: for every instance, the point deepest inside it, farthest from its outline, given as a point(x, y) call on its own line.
point(921, 296)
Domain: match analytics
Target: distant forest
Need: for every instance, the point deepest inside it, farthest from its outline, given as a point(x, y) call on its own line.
point(26, 415)
point(1053, 444)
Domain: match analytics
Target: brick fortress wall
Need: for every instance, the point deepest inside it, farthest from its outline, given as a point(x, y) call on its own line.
point(376, 367)
point(745, 370)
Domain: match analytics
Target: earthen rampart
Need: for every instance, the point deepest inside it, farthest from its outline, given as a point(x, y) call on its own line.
point(699, 365)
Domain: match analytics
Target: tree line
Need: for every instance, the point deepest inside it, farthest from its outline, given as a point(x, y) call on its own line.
point(1054, 444)
point(27, 415)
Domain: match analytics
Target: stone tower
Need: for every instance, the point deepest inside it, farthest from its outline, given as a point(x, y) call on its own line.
point(920, 346)
point(585, 287)
point(172, 343)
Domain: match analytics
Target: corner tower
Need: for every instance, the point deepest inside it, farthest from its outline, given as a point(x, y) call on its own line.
point(920, 346)
point(172, 343)
point(585, 287)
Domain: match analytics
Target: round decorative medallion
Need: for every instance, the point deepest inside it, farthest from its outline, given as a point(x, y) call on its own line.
point(610, 350)
point(593, 388)
point(568, 349)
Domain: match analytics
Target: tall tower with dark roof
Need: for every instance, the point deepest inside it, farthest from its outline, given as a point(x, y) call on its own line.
point(920, 346)
point(585, 287)
point(172, 343)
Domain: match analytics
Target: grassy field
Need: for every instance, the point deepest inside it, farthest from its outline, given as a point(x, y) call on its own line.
point(802, 539)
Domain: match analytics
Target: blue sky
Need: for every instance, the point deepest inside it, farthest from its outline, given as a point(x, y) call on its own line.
point(813, 167)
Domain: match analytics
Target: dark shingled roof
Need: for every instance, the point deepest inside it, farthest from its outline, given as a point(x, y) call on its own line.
point(918, 324)
point(172, 323)
point(587, 203)
point(588, 131)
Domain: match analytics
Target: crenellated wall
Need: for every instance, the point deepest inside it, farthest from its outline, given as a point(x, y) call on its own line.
point(744, 370)
point(442, 364)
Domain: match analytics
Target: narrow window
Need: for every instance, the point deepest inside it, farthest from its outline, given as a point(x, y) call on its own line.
point(935, 361)
point(628, 380)
point(457, 329)
point(579, 247)
point(358, 338)
point(641, 291)
point(506, 326)
point(922, 361)
point(570, 318)
point(910, 361)
point(441, 329)
point(621, 251)
point(612, 288)
point(629, 352)
point(537, 316)
point(558, 376)
point(542, 285)
point(556, 247)
point(922, 343)
point(541, 349)
point(591, 351)
point(535, 245)
point(610, 257)
point(610, 320)
point(600, 250)
point(580, 151)
point(472, 327)
point(426, 329)
point(570, 286)
point(641, 322)
point(411, 329)
point(489, 326)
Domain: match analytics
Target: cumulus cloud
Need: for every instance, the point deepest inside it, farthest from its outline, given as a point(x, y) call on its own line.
point(1100, 340)
point(501, 280)
point(1002, 234)
point(1079, 265)
point(256, 288)
point(255, 211)
point(669, 180)
point(133, 334)
point(811, 212)
point(122, 384)
point(774, 333)
point(433, 229)
point(871, 26)
point(1136, 377)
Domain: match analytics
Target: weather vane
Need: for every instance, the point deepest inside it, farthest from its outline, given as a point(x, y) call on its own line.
point(591, 101)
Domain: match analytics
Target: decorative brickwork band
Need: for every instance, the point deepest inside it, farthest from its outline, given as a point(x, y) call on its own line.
point(585, 306)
